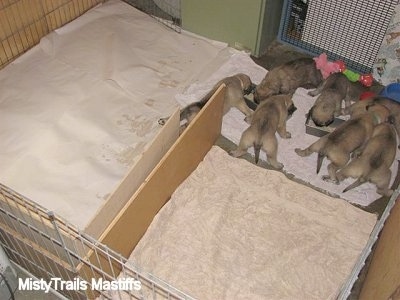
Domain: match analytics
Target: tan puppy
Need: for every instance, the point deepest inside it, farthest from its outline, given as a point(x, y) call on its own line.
point(269, 118)
point(350, 91)
point(374, 163)
point(236, 87)
point(285, 79)
point(331, 93)
point(327, 106)
point(352, 135)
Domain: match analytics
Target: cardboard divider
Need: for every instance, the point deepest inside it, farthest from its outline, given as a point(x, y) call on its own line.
point(131, 223)
point(383, 277)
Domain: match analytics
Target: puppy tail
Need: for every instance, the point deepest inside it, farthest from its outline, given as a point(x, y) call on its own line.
point(320, 159)
point(257, 148)
point(355, 184)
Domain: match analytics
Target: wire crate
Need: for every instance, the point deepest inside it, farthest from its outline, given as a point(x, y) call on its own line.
point(52, 249)
point(351, 31)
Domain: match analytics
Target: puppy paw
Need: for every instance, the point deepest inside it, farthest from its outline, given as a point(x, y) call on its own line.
point(162, 121)
point(300, 152)
point(385, 192)
point(287, 135)
point(236, 153)
point(327, 178)
point(277, 165)
point(340, 177)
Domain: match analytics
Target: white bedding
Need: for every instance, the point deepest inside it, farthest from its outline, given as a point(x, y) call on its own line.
point(233, 230)
point(303, 168)
point(77, 109)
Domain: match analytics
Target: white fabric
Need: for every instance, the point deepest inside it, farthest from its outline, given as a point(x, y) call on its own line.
point(263, 237)
point(303, 168)
point(77, 109)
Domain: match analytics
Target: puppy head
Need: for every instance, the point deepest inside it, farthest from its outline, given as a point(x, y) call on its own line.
point(322, 114)
point(247, 86)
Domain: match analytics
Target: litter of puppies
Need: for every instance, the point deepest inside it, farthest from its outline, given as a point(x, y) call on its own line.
point(348, 109)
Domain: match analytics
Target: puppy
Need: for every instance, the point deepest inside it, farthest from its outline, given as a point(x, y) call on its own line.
point(331, 93)
point(327, 106)
point(350, 91)
point(374, 163)
point(285, 79)
point(351, 135)
point(393, 106)
point(269, 117)
point(237, 87)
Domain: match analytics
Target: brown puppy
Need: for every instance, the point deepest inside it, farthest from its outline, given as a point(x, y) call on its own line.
point(331, 93)
point(352, 135)
point(269, 118)
point(374, 163)
point(350, 91)
point(236, 87)
point(285, 79)
point(393, 106)
point(327, 106)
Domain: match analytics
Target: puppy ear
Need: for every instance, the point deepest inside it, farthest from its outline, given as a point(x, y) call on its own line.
point(391, 119)
point(372, 104)
point(369, 105)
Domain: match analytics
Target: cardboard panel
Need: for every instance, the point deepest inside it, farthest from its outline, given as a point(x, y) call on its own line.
point(132, 222)
point(383, 277)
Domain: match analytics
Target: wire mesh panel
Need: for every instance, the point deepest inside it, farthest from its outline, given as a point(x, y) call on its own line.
point(24, 22)
point(168, 12)
point(76, 265)
point(346, 30)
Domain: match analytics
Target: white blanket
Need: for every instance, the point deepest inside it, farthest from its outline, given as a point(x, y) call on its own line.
point(78, 109)
point(302, 168)
point(233, 230)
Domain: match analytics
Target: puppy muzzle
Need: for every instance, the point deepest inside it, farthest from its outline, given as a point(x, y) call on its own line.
point(322, 124)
